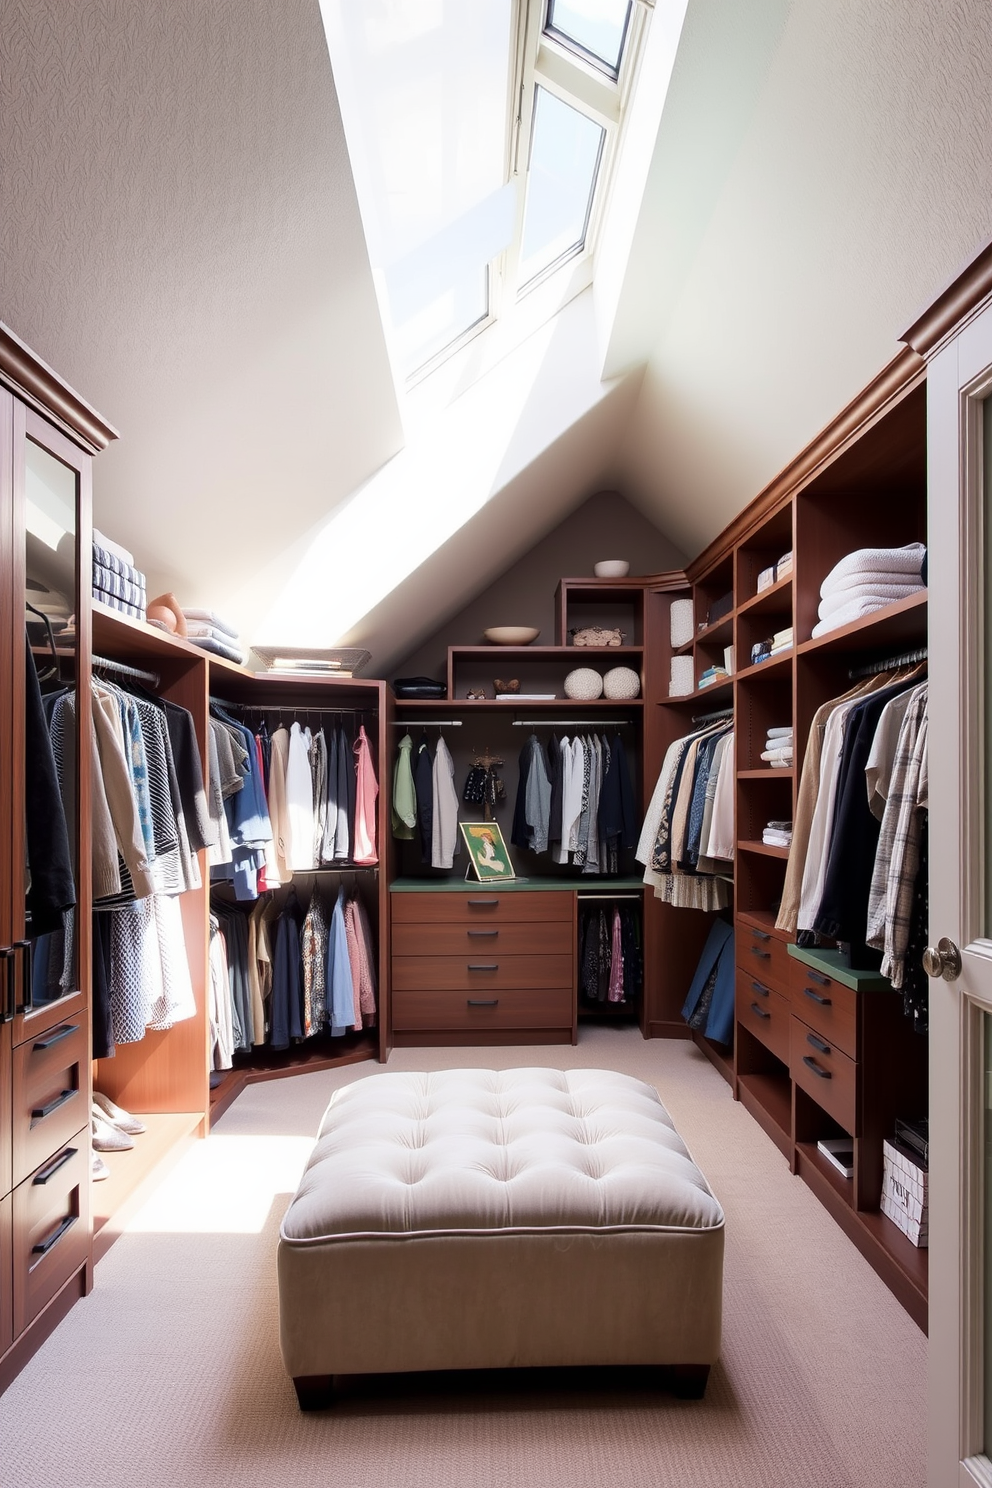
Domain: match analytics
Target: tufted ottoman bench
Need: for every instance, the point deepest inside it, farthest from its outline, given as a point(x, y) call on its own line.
point(475, 1219)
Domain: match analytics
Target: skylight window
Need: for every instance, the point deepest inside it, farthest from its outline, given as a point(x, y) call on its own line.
point(596, 29)
point(564, 162)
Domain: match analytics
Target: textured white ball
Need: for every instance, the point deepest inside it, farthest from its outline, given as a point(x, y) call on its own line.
point(584, 683)
point(621, 683)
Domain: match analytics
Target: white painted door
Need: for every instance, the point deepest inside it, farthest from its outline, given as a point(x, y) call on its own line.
point(959, 416)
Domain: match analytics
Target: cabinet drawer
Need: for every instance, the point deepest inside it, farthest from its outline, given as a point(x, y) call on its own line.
point(762, 955)
point(482, 942)
point(49, 1093)
point(827, 1006)
point(764, 1012)
point(519, 1007)
point(825, 1073)
point(51, 1221)
point(481, 906)
point(485, 969)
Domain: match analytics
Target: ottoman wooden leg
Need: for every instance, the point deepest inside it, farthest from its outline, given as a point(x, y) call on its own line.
point(688, 1381)
point(314, 1391)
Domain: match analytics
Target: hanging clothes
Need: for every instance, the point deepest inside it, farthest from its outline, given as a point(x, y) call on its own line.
point(671, 845)
point(404, 802)
point(444, 813)
point(366, 791)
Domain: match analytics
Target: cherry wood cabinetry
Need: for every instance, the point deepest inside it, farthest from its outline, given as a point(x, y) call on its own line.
point(48, 437)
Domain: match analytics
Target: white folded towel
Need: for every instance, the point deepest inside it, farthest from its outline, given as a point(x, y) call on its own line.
point(785, 730)
point(886, 593)
point(778, 756)
point(856, 611)
point(776, 839)
point(207, 617)
point(905, 560)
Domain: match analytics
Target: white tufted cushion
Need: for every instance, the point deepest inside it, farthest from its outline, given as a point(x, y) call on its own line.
point(497, 1150)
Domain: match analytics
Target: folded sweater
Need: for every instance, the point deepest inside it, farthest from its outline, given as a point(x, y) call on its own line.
point(865, 561)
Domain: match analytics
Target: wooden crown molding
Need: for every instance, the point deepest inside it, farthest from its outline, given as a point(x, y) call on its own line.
point(33, 380)
point(956, 301)
point(906, 370)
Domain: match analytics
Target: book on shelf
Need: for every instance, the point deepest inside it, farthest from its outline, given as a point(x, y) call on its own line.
point(839, 1151)
point(526, 697)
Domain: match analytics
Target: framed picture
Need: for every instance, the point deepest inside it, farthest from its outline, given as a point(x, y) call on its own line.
point(487, 852)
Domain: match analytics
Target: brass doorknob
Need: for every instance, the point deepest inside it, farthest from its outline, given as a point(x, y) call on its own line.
point(942, 960)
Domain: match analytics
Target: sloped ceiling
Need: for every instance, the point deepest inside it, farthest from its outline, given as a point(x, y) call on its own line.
point(179, 237)
point(840, 184)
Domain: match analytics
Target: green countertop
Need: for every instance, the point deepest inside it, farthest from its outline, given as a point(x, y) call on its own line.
point(830, 963)
point(461, 886)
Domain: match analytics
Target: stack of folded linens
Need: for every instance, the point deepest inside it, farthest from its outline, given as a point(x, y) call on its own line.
point(116, 581)
point(211, 633)
point(777, 834)
point(868, 580)
point(778, 747)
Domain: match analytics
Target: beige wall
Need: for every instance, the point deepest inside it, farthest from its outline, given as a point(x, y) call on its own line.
point(605, 526)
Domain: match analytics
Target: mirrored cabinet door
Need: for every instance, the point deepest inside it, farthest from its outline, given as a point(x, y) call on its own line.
point(51, 941)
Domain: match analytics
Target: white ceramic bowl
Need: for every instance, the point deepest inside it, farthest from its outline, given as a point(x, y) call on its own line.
point(511, 635)
point(611, 568)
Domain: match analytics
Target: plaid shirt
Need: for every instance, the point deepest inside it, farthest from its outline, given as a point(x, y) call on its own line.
point(897, 859)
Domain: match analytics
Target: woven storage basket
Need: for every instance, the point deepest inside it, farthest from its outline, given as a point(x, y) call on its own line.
point(584, 684)
point(621, 684)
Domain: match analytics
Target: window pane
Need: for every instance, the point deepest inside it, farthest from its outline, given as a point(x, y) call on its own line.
point(598, 27)
point(460, 306)
point(563, 166)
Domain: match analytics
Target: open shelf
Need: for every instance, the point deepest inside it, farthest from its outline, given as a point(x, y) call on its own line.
point(540, 653)
point(901, 623)
point(767, 773)
point(770, 600)
point(766, 849)
point(761, 919)
point(445, 705)
point(810, 1153)
point(116, 1197)
point(768, 1098)
point(773, 667)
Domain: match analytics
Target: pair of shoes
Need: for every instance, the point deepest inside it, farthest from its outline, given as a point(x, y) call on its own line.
point(116, 1115)
point(106, 1137)
point(99, 1167)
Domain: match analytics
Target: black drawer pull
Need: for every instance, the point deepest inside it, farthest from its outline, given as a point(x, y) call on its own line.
point(40, 1112)
point(483, 966)
point(823, 1074)
point(27, 975)
point(482, 1001)
point(815, 997)
point(54, 1165)
point(10, 1000)
point(817, 1043)
point(761, 1012)
point(44, 1246)
point(821, 981)
point(762, 955)
point(481, 934)
point(482, 903)
point(55, 1037)
point(760, 935)
point(761, 989)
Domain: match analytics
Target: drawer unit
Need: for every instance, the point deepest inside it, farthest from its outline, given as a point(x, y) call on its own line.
point(51, 1224)
point(763, 955)
point(830, 1008)
point(485, 969)
point(482, 1008)
point(484, 942)
point(764, 1012)
point(481, 907)
point(825, 1073)
point(50, 1086)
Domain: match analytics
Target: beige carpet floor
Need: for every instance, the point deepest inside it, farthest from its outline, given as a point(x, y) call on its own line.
point(169, 1374)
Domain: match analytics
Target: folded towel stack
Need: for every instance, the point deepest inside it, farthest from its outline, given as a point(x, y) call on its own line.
point(116, 581)
point(774, 646)
point(775, 571)
point(713, 674)
point(211, 633)
point(778, 748)
point(868, 580)
point(777, 834)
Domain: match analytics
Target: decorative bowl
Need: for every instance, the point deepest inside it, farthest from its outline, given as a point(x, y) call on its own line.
point(611, 568)
point(511, 635)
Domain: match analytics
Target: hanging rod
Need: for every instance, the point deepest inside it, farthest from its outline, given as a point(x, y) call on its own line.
point(904, 658)
point(427, 723)
point(571, 722)
point(105, 664)
point(603, 896)
point(713, 717)
point(287, 708)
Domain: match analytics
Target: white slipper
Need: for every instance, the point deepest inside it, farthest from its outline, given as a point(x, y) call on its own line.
point(108, 1138)
point(117, 1116)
